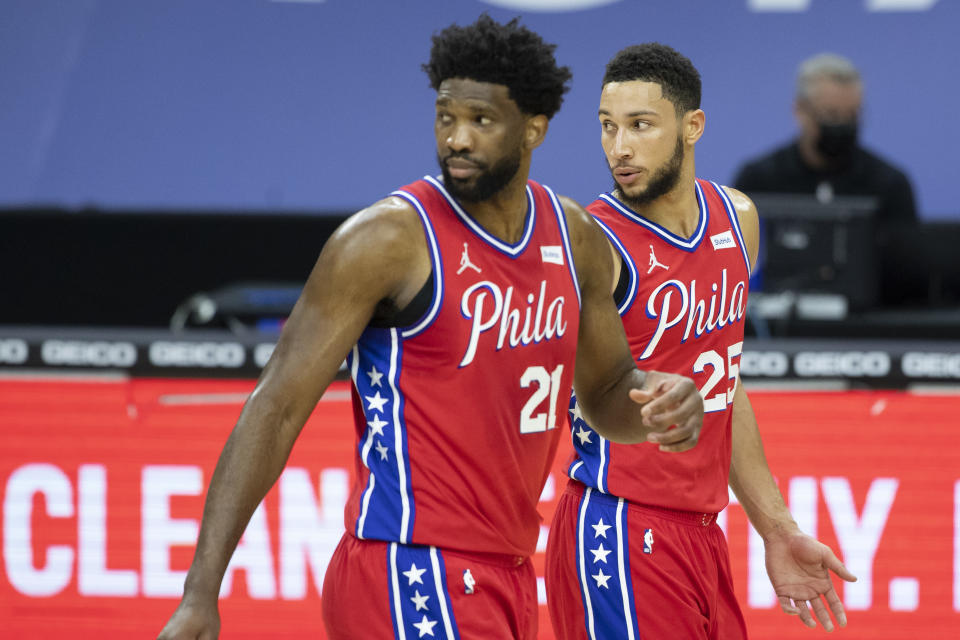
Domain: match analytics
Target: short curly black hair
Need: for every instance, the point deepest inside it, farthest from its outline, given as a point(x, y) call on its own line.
point(506, 54)
point(655, 62)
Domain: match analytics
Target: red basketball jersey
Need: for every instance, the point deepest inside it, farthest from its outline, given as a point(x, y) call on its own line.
point(457, 414)
point(683, 313)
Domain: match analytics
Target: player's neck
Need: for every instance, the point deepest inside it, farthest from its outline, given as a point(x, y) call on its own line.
point(504, 214)
point(677, 211)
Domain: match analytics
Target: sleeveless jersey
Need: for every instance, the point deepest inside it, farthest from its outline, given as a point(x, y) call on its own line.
point(683, 313)
point(456, 415)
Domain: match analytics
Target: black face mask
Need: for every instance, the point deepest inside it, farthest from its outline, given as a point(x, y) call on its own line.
point(837, 141)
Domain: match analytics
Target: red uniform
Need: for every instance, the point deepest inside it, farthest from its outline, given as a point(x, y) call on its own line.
point(683, 312)
point(456, 420)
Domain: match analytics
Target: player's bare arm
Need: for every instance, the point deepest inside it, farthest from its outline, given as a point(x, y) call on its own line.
point(749, 473)
point(798, 565)
point(379, 253)
point(607, 382)
point(749, 221)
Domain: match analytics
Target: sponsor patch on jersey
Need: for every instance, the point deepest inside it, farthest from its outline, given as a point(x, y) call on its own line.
point(723, 241)
point(552, 254)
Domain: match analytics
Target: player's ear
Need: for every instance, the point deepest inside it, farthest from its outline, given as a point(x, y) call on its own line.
point(692, 125)
point(534, 131)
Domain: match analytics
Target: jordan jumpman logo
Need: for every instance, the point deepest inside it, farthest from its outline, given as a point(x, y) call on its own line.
point(465, 262)
point(654, 262)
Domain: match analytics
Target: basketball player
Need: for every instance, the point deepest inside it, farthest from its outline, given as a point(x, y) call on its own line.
point(634, 549)
point(459, 303)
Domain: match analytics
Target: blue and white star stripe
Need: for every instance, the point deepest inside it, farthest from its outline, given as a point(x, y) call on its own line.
point(593, 451)
point(386, 507)
point(603, 565)
point(419, 600)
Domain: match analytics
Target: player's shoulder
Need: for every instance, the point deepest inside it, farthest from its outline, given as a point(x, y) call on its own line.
point(748, 218)
point(387, 233)
point(580, 221)
point(743, 205)
point(741, 201)
point(387, 221)
point(589, 243)
point(574, 211)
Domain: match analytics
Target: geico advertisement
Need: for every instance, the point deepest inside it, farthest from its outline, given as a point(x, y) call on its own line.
point(103, 482)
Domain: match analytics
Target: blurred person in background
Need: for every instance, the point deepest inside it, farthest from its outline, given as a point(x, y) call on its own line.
point(826, 159)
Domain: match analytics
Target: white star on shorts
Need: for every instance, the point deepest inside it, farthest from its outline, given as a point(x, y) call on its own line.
point(601, 579)
point(420, 601)
point(600, 554)
point(425, 626)
point(413, 575)
point(600, 529)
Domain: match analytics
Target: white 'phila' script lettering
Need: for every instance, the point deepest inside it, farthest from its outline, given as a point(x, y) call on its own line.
point(488, 307)
point(673, 301)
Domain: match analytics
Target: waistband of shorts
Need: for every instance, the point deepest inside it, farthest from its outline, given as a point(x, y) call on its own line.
point(692, 518)
point(484, 557)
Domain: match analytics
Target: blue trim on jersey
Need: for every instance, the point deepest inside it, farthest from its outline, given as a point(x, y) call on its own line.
point(419, 598)
point(434, 309)
point(627, 259)
point(735, 222)
point(565, 234)
point(603, 565)
point(593, 451)
point(687, 244)
point(386, 506)
point(512, 250)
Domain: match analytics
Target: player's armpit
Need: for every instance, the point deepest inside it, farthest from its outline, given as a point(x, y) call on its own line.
point(379, 253)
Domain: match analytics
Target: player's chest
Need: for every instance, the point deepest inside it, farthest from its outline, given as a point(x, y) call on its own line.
point(498, 307)
point(683, 297)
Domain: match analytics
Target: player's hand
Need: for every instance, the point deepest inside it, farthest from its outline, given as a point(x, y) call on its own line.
point(192, 622)
point(673, 409)
point(799, 568)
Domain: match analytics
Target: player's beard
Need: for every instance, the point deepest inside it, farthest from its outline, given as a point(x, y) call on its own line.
point(489, 180)
point(664, 179)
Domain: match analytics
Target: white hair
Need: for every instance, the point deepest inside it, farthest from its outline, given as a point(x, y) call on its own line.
point(825, 65)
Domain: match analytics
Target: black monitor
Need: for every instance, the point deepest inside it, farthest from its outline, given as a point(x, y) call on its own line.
point(812, 246)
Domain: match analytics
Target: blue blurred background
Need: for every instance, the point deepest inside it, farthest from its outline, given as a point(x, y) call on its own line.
point(321, 106)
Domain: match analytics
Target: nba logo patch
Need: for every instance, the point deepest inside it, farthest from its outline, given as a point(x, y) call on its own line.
point(468, 582)
point(648, 541)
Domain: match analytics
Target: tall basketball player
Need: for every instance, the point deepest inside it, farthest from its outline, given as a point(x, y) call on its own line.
point(458, 302)
point(634, 549)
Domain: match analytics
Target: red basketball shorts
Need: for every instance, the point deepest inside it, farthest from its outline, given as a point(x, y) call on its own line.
point(374, 589)
point(620, 570)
